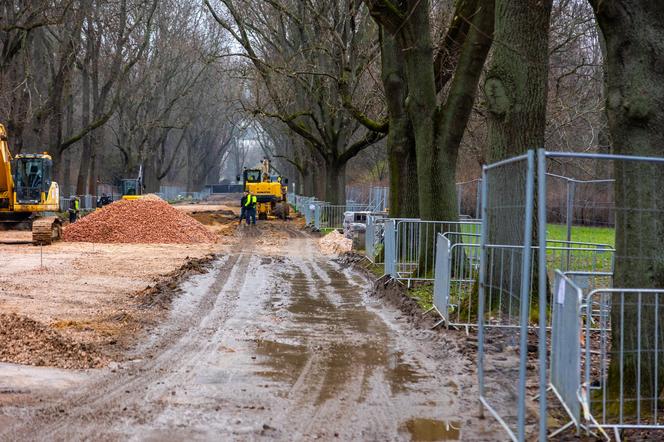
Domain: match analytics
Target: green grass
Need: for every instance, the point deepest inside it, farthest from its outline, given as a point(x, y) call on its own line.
point(598, 235)
point(423, 294)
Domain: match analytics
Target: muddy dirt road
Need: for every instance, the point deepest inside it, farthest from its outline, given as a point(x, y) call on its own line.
point(285, 344)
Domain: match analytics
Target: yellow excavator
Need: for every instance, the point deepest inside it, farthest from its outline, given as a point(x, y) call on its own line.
point(132, 188)
point(28, 194)
point(270, 191)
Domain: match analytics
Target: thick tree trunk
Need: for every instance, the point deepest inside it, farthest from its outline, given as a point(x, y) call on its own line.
point(400, 139)
point(335, 182)
point(84, 165)
point(64, 166)
point(516, 82)
point(632, 31)
point(414, 40)
point(516, 96)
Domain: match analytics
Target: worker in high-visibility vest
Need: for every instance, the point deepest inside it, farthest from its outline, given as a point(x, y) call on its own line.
point(251, 211)
point(74, 209)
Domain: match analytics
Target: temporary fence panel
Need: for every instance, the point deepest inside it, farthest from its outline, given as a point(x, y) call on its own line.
point(415, 246)
point(332, 216)
point(594, 262)
point(441, 287)
point(622, 383)
point(507, 227)
point(373, 238)
point(390, 248)
point(565, 370)
point(575, 201)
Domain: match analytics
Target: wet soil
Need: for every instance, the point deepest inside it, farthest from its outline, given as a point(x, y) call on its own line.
point(275, 342)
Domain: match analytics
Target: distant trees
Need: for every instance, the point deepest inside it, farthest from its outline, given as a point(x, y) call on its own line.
point(108, 86)
point(306, 59)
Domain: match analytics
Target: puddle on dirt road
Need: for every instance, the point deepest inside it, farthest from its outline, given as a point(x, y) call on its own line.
point(421, 429)
point(400, 374)
point(343, 340)
point(283, 361)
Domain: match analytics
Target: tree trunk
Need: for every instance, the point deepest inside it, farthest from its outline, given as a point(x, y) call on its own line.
point(400, 139)
point(84, 165)
point(416, 48)
point(516, 82)
point(632, 31)
point(335, 182)
point(64, 168)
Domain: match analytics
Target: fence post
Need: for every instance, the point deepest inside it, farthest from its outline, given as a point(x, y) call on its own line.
point(525, 295)
point(542, 288)
point(369, 239)
point(389, 247)
point(317, 210)
point(441, 280)
point(478, 202)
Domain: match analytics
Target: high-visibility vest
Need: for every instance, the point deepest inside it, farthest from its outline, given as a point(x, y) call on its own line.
point(249, 200)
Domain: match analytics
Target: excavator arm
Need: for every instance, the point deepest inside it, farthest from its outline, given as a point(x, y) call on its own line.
point(6, 180)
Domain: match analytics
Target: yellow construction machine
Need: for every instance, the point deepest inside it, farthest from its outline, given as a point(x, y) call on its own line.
point(132, 188)
point(28, 193)
point(270, 191)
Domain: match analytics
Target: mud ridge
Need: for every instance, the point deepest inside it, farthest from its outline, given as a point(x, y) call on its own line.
point(25, 341)
point(162, 293)
point(395, 294)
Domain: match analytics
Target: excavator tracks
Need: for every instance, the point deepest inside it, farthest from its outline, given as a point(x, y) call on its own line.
point(45, 230)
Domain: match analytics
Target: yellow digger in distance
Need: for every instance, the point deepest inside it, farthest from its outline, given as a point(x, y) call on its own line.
point(132, 188)
point(28, 193)
point(270, 191)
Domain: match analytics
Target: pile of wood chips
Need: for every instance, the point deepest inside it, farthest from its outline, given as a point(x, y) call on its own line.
point(145, 221)
point(334, 243)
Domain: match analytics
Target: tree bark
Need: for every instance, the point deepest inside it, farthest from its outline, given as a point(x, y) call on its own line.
point(515, 89)
point(438, 128)
point(516, 82)
point(400, 138)
point(335, 182)
point(633, 35)
point(86, 94)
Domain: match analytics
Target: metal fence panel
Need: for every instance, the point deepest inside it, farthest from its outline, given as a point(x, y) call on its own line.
point(442, 276)
point(415, 246)
point(507, 222)
point(627, 400)
point(565, 371)
point(389, 247)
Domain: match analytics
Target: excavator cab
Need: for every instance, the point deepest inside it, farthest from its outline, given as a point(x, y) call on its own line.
point(252, 176)
point(33, 174)
point(132, 188)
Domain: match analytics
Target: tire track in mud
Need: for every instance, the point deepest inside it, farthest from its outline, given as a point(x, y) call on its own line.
point(347, 347)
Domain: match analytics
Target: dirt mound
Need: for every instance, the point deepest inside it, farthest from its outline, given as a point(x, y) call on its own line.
point(334, 243)
point(147, 221)
point(25, 341)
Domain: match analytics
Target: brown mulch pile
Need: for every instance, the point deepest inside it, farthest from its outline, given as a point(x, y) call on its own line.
point(25, 341)
point(334, 243)
point(146, 221)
